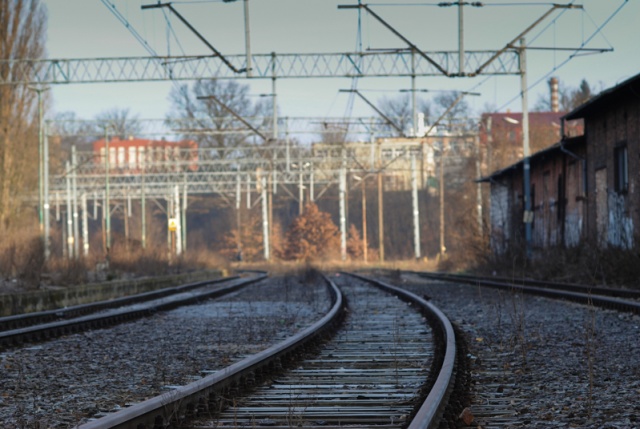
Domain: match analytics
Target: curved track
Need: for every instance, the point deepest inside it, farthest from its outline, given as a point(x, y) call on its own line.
point(46, 325)
point(617, 299)
point(375, 372)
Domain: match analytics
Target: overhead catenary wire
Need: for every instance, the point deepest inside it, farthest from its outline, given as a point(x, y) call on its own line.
point(570, 57)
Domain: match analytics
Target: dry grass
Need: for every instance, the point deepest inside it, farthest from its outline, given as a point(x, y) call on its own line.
point(22, 259)
point(586, 264)
point(23, 267)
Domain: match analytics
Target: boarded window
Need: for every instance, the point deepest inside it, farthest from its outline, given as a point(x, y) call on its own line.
point(601, 205)
point(621, 169)
point(561, 197)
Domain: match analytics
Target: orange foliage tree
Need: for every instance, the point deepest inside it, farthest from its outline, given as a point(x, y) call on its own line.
point(355, 244)
point(312, 235)
point(246, 242)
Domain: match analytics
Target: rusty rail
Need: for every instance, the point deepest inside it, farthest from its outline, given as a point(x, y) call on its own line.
point(23, 320)
point(204, 394)
point(596, 296)
point(430, 412)
point(50, 330)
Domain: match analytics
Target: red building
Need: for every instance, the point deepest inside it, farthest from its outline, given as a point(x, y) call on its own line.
point(501, 135)
point(134, 155)
point(584, 190)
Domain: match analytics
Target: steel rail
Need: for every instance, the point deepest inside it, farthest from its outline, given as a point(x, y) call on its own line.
point(55, 329)
point(29, 319)
point(429, 414)
point(599, 297)
point(199, 396)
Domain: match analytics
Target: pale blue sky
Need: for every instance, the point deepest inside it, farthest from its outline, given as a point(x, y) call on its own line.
point(86, 28)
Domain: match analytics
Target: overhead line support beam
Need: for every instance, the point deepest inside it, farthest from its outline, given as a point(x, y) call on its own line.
point(512, 43)
point(200, 36)
point(378, 111)
point(240, 118)
point(394, 31)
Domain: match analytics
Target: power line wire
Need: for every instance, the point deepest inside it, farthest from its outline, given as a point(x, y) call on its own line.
point(570, 57)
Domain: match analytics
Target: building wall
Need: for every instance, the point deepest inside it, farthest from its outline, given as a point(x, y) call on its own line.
point(501, 222)
point(558, 201)
point(134, 155)
point(601, 179)
point(614, 214)
point(576, 201)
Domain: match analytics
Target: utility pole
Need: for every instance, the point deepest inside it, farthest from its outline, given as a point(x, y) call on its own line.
point(143, 207)
point(416, 208)
point(343, 219)
point(85, 226)
point(414, 97)
point(461, 38)
point(443, 249)
point(265, 218)
point(70, 237)
point(274, 96)
point(177, 217)
point(247, 38)
point(107, 210)
point(183, 217)
point(45, 168)
point(528, 213)
point(238, 218)
point(380, 207)
point(364, 219)
point(41, 200)
point(74, 188)
point(478, 185)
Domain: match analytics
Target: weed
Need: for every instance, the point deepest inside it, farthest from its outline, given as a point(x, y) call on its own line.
point(590, 334)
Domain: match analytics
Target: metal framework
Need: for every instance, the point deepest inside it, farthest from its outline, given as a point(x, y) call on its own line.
point(273, 166)
point(393, 63)
point(207, 171)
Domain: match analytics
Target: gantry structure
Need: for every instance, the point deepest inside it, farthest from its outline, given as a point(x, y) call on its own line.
point(270, 165)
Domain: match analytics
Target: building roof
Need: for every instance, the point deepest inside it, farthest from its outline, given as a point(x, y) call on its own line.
point(567, 144)
point(515, 118)
point(131, 141)
point(630, 88)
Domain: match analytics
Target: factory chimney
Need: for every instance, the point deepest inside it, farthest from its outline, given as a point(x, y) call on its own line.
point(553, 87)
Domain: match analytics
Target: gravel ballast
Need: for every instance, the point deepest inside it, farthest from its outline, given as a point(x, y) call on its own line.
point(62, 383)
point(541, 363)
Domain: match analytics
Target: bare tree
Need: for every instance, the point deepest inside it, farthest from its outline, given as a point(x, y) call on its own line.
point(459, 111)
point(333, 133)
point(207, 121)
point(121, 123)
point(22, 36)
point(398, 109)
point(569, 98)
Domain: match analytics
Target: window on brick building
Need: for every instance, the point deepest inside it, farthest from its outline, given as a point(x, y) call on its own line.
point(621, 169)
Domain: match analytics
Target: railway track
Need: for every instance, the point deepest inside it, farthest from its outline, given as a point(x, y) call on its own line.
point(528, 354)
point(41, 326)
point(371, 364)
point(626, 300)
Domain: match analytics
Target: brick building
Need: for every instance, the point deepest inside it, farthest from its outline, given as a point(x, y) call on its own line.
point(612, 133)
point(501, 135)
point(557, 197)
point(581, 187)
point(133, 155)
